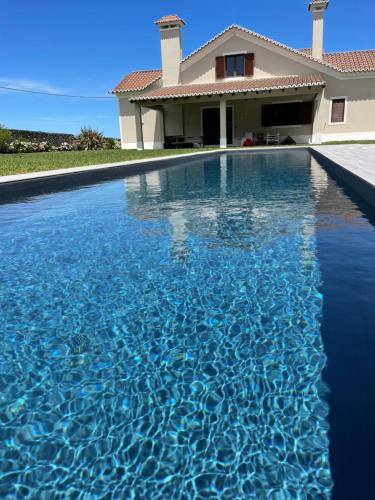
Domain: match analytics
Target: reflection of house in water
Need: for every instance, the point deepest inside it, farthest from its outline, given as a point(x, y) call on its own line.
point(332, 205)
point(193, 197)
point(231, 205)
point(227, 205)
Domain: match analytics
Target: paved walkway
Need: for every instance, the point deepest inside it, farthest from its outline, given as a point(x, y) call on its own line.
point(359, 159)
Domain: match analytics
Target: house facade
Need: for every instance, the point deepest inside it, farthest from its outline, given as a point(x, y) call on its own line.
point(242, 85)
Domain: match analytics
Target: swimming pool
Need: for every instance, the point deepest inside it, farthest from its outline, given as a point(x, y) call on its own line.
point(177, 333)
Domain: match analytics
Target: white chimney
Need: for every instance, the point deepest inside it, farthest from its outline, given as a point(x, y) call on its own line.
point(318, 8)
point(171, 48)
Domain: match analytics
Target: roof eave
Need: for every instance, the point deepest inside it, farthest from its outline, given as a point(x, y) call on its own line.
point(226, 92)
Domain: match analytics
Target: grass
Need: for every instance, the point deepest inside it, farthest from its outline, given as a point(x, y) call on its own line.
point(36, 162)
point(348, 142)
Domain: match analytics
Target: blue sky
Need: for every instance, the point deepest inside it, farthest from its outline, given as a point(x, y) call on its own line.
point(85, 47)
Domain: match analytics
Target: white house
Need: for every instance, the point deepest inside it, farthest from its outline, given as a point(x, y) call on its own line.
point(242, 84)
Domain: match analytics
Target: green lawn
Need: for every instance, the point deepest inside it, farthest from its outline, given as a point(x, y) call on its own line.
point(37, 162)
point(348, 142)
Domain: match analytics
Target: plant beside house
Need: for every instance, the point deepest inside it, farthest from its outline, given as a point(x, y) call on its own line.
point(90, 139)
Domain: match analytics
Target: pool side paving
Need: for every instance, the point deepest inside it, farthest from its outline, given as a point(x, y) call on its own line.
point(354, 163)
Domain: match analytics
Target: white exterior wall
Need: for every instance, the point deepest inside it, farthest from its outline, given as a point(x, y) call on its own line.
point(360, 111)
point(266, 62)
point(173, 119)
point(152, 125)
point(318, 32)
point(171, 54)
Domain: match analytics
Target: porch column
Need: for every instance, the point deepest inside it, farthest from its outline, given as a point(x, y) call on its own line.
point(138, 125)
point(223, 123)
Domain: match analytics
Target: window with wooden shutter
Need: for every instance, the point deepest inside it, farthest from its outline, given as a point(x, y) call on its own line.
point(338, 108)
point(220, 67)
point(249, 64)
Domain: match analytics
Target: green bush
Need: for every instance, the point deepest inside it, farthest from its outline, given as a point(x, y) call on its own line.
point(89, 139)
point(19, 146)
point(5, 137)
point(110, 143)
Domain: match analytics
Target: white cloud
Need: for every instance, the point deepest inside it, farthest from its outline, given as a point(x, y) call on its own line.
point(29, 84)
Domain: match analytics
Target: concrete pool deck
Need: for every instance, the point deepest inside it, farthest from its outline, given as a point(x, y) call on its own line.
point(354, 163)
point(359, 159)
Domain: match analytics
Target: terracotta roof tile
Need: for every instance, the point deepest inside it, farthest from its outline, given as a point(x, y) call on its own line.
point(235, 86)
point(138, 80)
point(355, 60)
point(170, 18)
point(318, 3)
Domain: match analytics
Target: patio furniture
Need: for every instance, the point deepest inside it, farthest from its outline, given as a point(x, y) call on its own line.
point(181, 141)
point(260, 139)
point(272, 139)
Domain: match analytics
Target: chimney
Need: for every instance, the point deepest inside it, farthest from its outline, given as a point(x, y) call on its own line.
point(317, 8)
point(171, 48)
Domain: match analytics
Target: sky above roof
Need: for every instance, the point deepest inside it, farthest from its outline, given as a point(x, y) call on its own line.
point(83, 48)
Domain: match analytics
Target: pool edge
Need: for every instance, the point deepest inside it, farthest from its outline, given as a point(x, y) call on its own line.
point(362, 186)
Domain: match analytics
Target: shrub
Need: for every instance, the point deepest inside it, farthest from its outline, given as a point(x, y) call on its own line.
point(66, 146)
point(110, 143)
point(89, 138)
point(21, 146)
point(5, 137)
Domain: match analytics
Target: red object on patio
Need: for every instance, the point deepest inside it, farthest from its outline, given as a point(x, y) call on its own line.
point(248, 142)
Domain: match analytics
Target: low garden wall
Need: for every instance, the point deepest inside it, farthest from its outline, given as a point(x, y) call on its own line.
point(52, 138)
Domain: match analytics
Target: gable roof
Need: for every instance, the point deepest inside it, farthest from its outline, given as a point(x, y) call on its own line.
point(234, 86)
point(138, 80)
point(339, 63)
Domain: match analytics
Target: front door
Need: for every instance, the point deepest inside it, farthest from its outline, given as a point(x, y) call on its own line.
point(211, 126)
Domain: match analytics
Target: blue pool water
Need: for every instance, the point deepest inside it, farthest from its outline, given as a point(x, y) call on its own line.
point(166, 335)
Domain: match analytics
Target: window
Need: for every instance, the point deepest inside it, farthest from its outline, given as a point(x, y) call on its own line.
point(284, 114)
point(338, 111)
point(235, 65)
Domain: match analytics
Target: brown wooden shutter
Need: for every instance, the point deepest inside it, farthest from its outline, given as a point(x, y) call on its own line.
point(249, 64)
point(220, 67)
point(338, 111)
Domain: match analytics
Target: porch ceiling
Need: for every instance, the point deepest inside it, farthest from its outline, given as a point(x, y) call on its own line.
point(232, 87)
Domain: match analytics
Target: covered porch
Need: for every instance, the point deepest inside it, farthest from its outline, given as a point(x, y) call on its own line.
point(205, 115)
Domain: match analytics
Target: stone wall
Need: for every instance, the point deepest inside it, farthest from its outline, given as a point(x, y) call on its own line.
point(34, 136)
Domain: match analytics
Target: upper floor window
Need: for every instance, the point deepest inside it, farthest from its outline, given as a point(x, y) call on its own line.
point(338, 111)
point(234, 66)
